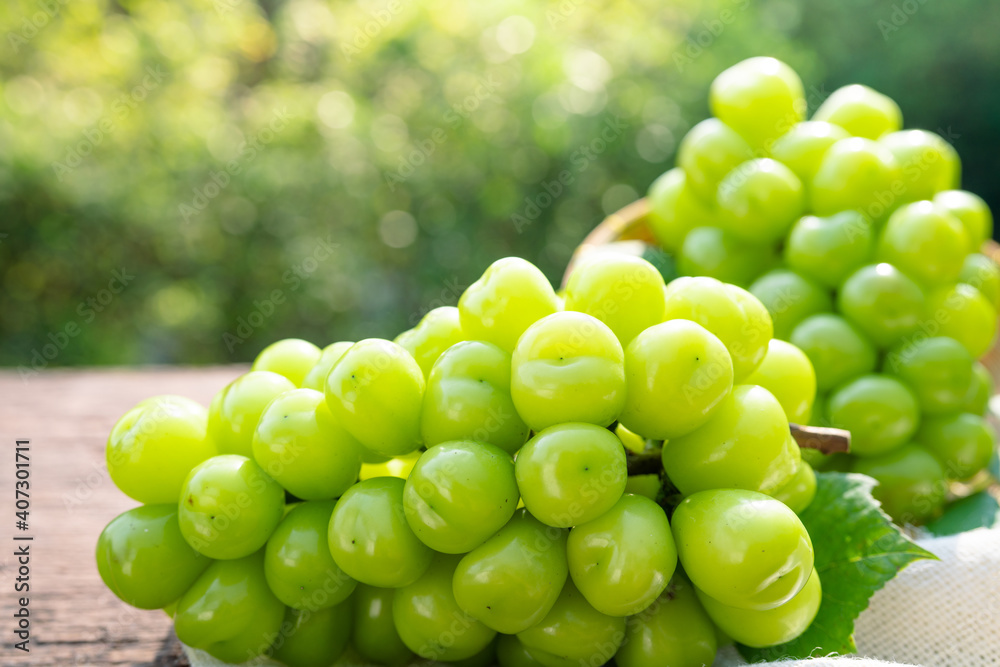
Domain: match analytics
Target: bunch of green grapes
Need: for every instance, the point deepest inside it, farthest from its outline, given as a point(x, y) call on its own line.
point(853, 234)
point(463, 494)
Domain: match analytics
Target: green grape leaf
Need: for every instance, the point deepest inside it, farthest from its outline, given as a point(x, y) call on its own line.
point(980, 510)
point(858, 549)
point(663, 262)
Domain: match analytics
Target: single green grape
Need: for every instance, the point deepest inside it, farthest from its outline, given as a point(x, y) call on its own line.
point(302, 446)
point(373, 633)
point(571, 473)
point(930, 164)
point(788, 374)
point(744, 445)
point(716, 253)
point(370, 539)
point(143, 558)
point(297, 562)
point(938, 370)
point(742, 548)
point(468, 397)
point(375, 391)
point(802, 148)
point(437, 331)
point(760, 200)
point(982, 273)
point(429, 620)
point(674, 210)
point(768, 627)
point(925, 242)
point(622, 291)
point(399, 466)
point(830, 249)
point(509, 297)
point(459, 494)
point(790, 298)
point(622, 560)
point(883, 302)
point(858, 174)
point(674, 630)
point(800, 490)
point(972, 212)
point(962, 442)
point(512, 653)
point(314, 638)
point(881, 413)
point(574, 633)
point(647, 486)
point(977, 400)
point(229, 611)
point(155, 445)
point(838, 350)
point(291, 357)
point(233, 415)
point(861, 111)
point(963, 313)
point(760, 98)
point(229, 507)
point(633, 442)
point(328, 358)
point(511, 581)
point(709, 151)
point(911, 483)
point(568, 367)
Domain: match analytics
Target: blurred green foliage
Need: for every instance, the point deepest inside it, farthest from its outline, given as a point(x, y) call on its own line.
point(331, 170)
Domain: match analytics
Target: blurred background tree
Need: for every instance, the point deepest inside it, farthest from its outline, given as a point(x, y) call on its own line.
point(184, 181)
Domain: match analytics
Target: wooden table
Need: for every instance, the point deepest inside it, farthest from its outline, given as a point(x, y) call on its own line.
point(67, 415)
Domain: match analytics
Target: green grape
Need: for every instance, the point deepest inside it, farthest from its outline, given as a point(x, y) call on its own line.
point(768, 627)
point(574, 633)
point(713, 252)
point(758, 97)
point(291, 357)
point(977, 400)
point(233, 415)
point(838, 350)
point(787, 373)
point(375, 391)
point(331, 354)
point(622, 560)
point(370, 539)
point(760, 200)
point(633, 442)
point(881, 301)
point(744, 445)
point(399, 466)
point(509, 297)
point(881, 413)
point(930, 164)
point(709, 151)
point(374, 634)
point(229, 611)
point(568, 367)
point(963, 443)
point(436, 332)
point(431, 623)
point(622, 291)
point(802, 148)
point(742, 548)
point(297, 561)
point(301, 445)
point(790, 298)
point(972, 212)
point(734, 315)
point(511, 581)
point(673, 631)
point(468, 398)
point(925, 242)
point(800, 490)
point(459, 494)
point(938, 370)
point(143, 558)
point(911, 485)
point(155, 445)
point(861, 111)
point(674, 210)
point(982, 273)
point(963, 313)
point(512, 653)
point(485, 658)
point(829, 249)
point(314, 638)
point(571, 473)
point(856, 174)
point(229, 507)
point(647, 486)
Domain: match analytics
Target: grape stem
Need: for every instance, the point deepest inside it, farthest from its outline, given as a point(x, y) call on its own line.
point(824, 439)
